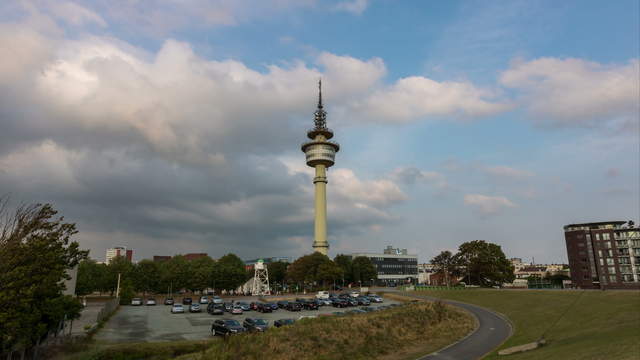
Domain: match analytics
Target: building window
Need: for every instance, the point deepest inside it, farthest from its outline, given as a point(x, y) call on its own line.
point(605, 236)
point(599, 253)
point(588, 237)
point(607, 244)
point(609, 252)
point(601, 262)
point(627, 278)
point(610, 261)
point(623, 251)
point(624, 260)
point(597, 236)
point(613, 279)
point(612, 269)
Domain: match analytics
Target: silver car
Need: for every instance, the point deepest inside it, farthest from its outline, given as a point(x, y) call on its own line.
point(177, 309)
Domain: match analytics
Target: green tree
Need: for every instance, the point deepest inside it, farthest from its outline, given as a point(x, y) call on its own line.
point(231, 272)
point(88, 272)
point(345, 263)
point(363, 269)
point(201, 273)
point(484, 264)
point(305, 268)
point(36, 252)
point(126, 292)
point(329, 272)
point(446, 264)
point(145, 276)
point(176, 273)
point(118, 265)
point(277, 271)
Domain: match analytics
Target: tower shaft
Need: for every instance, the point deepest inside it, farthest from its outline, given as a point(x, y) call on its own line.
point(320, 243)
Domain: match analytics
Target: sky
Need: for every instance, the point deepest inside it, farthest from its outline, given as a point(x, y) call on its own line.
point(174, 126)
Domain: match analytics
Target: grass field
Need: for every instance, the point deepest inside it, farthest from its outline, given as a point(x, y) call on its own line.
point(597, 325)
point(403, 332)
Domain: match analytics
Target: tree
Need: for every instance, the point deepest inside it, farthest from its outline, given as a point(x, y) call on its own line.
point(118, 265)
point(36, 252)
point(329, 272)
point(176, 273)
point(446, 264)
point(88, 272)
point(484, 263)
point(230, 272)
point(201, 273)
point(345, 263)
point(305, 268)
point(126, 292)
point(363, 269)
point(145, 276)
point(277, 271)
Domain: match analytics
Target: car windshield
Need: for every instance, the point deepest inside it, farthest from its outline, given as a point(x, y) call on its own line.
point(231, 323)
point(260, 322)
point(177, 306)
point(288, 321)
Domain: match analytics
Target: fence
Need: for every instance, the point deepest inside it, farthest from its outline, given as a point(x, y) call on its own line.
point(108, 309)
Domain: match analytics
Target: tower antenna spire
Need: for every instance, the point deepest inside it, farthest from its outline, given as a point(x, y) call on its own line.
point(320, 93)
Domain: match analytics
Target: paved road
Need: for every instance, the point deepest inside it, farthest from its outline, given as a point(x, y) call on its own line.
point(492, 331)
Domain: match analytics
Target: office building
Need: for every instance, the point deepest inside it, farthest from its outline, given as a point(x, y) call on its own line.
point(604, 255)
point(118, 251)
point(393, 268)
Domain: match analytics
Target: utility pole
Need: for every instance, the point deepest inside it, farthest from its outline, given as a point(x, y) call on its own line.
point(118, 287)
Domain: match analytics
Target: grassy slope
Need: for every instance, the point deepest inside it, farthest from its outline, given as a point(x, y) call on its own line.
point(600, 325)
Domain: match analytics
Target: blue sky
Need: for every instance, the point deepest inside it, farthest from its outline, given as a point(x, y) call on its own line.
point(174, 127)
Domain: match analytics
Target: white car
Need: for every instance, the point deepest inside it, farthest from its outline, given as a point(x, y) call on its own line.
point(204, 300)
point(354, 294)
point(136, 301)
point(217, 300)
point(151, 301)
point(322, 295)
point(194, 308)
point(177, 308)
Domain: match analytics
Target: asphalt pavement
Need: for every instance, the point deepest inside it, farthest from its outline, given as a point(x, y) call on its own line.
point(493, 329)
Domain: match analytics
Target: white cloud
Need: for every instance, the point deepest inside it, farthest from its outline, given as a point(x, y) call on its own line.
point(75, 14)
point(356, 7)
point(501, 171)
point(576, 92)
point(417, 97)
point(488, 205)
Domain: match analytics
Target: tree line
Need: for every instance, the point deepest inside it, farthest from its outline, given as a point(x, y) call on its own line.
point(476, 263)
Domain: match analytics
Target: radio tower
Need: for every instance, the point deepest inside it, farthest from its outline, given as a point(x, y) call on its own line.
point(260, 280)
point(320, 153)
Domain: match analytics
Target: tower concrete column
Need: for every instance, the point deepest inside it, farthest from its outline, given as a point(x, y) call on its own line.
point(320, 243)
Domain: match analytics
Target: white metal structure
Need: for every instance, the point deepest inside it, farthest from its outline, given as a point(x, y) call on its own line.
point(260, 280)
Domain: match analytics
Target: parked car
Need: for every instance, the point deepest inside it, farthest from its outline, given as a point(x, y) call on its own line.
point(354, 294)
point(264, 307)
point(217, 300)
point(204, 300)
point(215, 309)
point(282, 304)
point(322, 295)
point(194, 308)
point(253, 306)
point(352, 302)
point(136, 301)
point(339, 302)
point(228, 306)
point(226, 327)
point(187, 301)
point(325, 302)
point(151, 301)
point(274, 306)
point(283, 322)
point(252, 324)
point(294, 306)
point(363, 301)
point(244, 306)
point(375, 298)
point(307, 304)
point(307, 317)
point(237, 310)
point(177, 308)
point(168, 301)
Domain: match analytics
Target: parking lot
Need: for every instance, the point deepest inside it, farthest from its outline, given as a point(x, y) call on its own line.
point(157, 323)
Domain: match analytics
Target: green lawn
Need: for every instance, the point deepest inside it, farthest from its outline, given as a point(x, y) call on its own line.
point(598, 324)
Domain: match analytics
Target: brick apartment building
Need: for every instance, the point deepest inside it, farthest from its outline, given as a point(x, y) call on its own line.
point(604, 255)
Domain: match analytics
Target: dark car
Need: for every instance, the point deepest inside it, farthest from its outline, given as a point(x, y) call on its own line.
point(294, 306)
point(338, 302)
point(253, 306)
point(264, 307)
point(283, 322)
point(228, 306)
point(168, 301)
point(274, 306)
point(307, 304)
point(244, 306)
point(187, 301)
point(215, 309)
point(363, 301)
point(258, 325)
point(282, 304)
point(226, 327)
point(352, 301)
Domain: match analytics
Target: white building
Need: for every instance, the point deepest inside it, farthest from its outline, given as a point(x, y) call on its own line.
point(118, 251)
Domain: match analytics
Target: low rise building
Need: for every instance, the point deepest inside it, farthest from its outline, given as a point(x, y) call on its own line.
point(393, 267)
point(118, 251)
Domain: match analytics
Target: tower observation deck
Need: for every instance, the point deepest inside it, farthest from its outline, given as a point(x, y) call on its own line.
point(320, 154)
